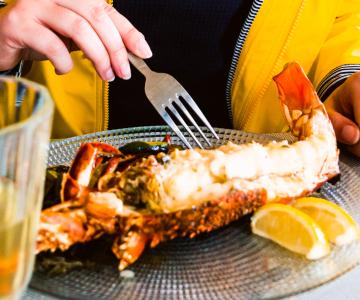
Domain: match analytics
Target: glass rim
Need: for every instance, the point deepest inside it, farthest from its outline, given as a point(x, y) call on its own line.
point(45, 107)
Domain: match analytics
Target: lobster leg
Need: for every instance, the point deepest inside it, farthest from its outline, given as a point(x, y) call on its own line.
point(129, 247)
point(62, 226)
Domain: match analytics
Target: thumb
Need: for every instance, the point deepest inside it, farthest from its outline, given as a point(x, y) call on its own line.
point(346, 131)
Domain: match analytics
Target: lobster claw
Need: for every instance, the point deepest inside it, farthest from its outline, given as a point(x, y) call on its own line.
point(79, 175)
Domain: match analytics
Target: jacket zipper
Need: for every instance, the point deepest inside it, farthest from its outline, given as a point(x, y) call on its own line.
point(237, 51)
point(106, 94)
point(106, 105)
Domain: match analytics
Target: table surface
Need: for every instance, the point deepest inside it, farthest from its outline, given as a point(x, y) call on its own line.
point(346, 286)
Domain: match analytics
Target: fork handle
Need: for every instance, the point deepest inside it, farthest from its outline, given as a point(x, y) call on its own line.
point(139, 64)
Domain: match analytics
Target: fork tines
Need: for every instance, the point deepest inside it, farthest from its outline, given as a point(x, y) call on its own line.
point(180, 107)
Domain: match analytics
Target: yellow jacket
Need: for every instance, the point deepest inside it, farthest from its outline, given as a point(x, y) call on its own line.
point(322, 35)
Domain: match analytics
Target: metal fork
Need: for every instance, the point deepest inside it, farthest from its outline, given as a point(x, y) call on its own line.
point(164, 91)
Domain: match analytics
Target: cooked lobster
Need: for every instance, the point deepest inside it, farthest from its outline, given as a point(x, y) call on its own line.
point(186, 192)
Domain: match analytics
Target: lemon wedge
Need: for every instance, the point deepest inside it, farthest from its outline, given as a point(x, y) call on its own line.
point(338, 226)
point(290, 228)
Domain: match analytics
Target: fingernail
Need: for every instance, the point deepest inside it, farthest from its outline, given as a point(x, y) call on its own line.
point(110, 76)
point(143, 48)
point(350, 134)
point(125, 71)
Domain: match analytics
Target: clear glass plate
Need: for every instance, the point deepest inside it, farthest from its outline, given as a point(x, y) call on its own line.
point(229, 263)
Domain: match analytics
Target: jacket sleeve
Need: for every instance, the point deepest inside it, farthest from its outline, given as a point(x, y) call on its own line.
point(339, 57)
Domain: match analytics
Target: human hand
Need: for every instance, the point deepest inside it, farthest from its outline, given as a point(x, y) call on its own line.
point(343, 107)
point(49, 29)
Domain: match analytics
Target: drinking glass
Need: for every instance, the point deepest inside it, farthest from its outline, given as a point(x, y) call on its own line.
point(26, 111)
